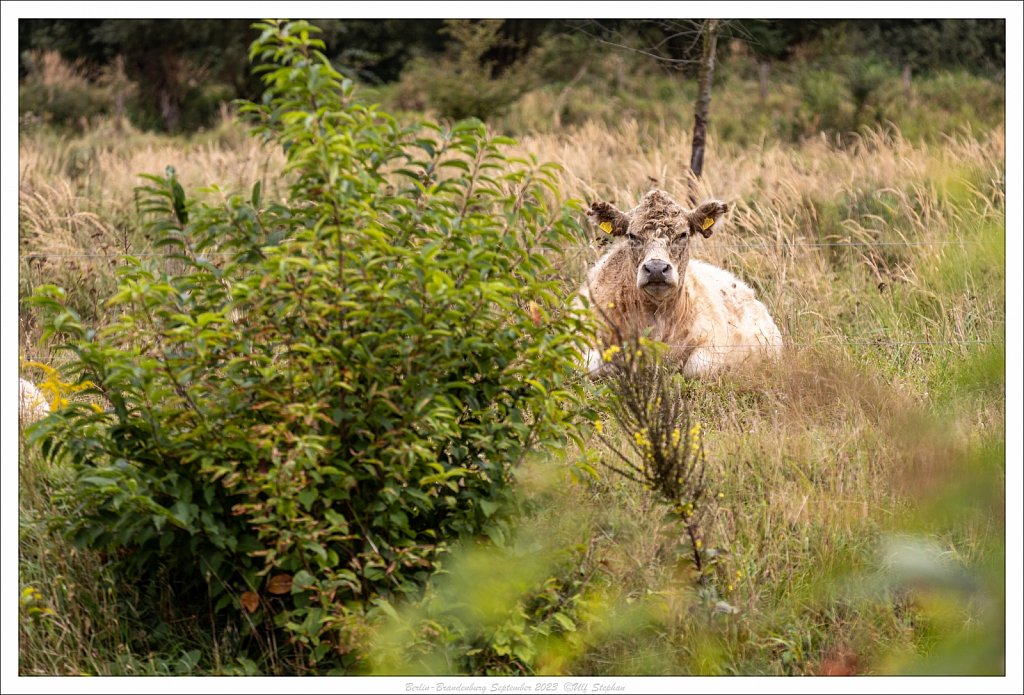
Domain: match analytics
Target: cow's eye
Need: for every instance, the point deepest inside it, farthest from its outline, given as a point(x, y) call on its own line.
point(633, 238)
point(681, 238)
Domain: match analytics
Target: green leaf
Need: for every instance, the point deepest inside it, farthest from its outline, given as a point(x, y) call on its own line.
point(307, 497)
point(387, 609)
point(564, 621)
point(302, 580)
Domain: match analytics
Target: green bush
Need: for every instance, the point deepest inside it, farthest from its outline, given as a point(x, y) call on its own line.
point(462, 83)
point(946, 102)
point(201, 105)
point(493, 611)
point(56, 92)
point(865, 78)
point(844, 97)
point(335, 386)
point(823, 104)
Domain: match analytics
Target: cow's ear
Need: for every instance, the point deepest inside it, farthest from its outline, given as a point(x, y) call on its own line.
point(704, 217)
point(608, 218)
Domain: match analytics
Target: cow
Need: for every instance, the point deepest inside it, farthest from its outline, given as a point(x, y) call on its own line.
point(646, 285)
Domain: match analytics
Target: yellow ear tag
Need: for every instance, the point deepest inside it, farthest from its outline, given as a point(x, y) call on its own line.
point(606, 226)
point(708, 221)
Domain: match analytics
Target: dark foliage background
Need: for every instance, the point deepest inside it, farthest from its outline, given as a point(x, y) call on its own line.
point(185, 68)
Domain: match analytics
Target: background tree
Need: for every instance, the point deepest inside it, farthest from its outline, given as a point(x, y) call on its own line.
point(709, 33)
point(679, 45)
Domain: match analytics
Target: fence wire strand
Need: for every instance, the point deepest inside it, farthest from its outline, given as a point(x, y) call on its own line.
point(33, 255)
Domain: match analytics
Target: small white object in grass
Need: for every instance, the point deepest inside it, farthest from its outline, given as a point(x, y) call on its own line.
point(32, 405)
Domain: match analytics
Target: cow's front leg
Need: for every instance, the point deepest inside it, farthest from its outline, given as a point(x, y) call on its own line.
point(701, 362)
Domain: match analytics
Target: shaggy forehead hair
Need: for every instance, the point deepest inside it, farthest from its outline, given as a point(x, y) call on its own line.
point(657, 215)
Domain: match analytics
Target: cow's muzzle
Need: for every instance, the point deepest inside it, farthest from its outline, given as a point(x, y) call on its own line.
point(656, 277)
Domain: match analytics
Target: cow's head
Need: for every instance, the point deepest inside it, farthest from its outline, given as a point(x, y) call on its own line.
point(655, 236)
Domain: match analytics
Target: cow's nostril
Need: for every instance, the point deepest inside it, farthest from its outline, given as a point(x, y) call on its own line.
point(656, 269)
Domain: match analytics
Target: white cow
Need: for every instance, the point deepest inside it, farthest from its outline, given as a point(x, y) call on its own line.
point(646, 284)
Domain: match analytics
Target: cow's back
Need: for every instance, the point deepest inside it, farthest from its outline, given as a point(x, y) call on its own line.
point(727, 325)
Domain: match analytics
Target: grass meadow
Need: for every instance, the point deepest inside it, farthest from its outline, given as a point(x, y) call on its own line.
point(859, 484)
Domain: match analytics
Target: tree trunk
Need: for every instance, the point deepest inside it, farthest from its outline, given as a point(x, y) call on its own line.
point(700, 111)
point(170, 112)
point(763, 68)
point(556, 118)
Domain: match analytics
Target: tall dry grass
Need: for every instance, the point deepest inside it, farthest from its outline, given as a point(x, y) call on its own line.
point(77, 202)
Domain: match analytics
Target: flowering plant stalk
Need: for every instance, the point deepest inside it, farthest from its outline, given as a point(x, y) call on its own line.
point(664, 449)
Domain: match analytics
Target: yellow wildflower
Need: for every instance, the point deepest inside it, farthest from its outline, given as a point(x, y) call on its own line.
point(610, 353)
point(56, 389)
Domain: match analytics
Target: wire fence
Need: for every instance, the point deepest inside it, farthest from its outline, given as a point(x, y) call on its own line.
point(596, 247)
point(872, 342)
